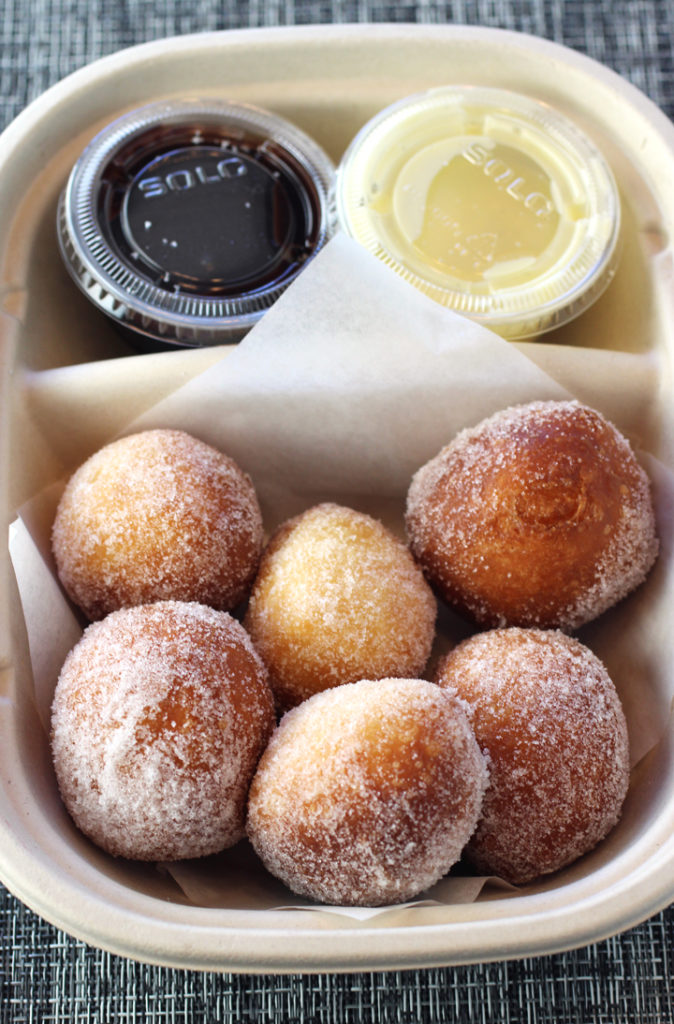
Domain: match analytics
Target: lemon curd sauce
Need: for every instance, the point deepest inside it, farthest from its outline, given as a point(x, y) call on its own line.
point(493, 204)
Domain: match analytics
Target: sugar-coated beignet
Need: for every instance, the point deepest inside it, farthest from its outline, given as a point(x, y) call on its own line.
point(158, 515)
point(159, 718)
point(538, 516)
point(367, 793)
point(547, 715)
point(338, 598)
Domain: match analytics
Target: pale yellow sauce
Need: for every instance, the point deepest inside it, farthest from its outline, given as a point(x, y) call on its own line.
point(480, 206)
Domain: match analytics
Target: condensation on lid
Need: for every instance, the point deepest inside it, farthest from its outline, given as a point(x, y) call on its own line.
point(492, 203)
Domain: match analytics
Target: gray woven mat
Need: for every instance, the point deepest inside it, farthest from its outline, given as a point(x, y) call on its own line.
point(43, 40)
point(47, 977)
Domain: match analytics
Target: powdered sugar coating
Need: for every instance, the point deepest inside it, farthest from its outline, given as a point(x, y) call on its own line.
point(158, 515)
point(547, 715)
point(338, 598)
point(538, 516)
point(159, 717)
point(367, 794)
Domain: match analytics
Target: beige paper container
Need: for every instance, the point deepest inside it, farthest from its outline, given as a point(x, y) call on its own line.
point(618, 356)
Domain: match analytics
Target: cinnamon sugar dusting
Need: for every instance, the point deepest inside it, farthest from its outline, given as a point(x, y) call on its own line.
point(376, 782)
point(159, 717)
point(157, 515)
point(546, 714)
point(367, 793)
point(538, 516)
point(338, 598)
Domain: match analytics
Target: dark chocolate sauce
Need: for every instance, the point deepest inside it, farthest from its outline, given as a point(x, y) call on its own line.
point(200, 210)
point(184, 221)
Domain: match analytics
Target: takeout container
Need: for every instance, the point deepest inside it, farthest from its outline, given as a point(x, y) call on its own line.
point(69, 383)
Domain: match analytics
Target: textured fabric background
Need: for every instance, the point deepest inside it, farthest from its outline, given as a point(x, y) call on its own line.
point(47, 977)
point(43, 40)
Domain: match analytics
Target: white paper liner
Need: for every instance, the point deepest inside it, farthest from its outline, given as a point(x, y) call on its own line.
point(350, 383)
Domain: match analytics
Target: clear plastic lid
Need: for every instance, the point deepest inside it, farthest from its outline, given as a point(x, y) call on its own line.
point(493, 204)
point(184, 221)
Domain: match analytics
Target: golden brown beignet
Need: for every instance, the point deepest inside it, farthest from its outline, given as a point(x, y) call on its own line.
point(367, 793)
point(338, 598)
point(538, 516)
point(159, 718)
point(158, 515)
point(547, 716)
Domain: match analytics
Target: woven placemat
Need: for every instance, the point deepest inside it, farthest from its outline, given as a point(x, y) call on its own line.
point(49, 978)
point(46, 977)
point(43, 40)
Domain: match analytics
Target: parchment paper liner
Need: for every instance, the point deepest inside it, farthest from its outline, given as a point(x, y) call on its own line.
point(352, 381)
